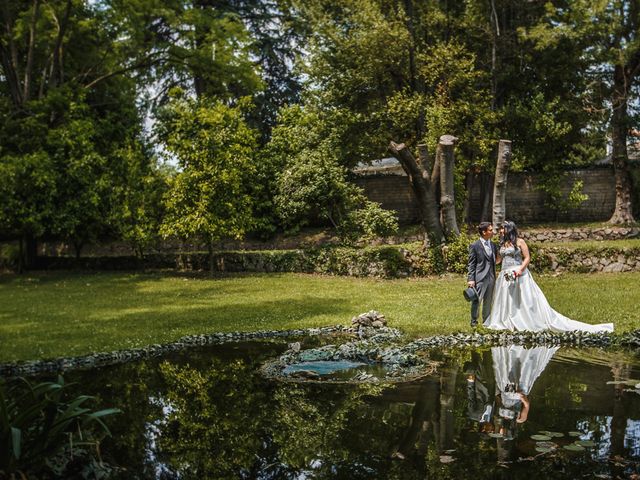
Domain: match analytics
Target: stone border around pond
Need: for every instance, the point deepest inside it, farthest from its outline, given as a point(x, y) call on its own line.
point(103, 359)
point(577, 339)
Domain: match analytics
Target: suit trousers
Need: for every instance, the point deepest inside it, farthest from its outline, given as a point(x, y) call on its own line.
point(485, 297)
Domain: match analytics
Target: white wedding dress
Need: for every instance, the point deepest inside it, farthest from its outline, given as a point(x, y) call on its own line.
point(516, 368)
point(520, 304)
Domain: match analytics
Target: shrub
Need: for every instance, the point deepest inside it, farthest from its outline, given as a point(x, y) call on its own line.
point(42, 431)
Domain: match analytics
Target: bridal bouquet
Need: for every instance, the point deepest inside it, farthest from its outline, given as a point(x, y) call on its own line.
point(510, 275)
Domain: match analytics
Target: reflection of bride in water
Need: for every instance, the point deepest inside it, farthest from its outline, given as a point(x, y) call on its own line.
point(515, 369)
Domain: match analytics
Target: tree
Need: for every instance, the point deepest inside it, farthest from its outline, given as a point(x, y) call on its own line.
point(202, 47)
point(383, 70)
point(26, 210)
point(312, 184)
point(420, 179)
point(138, 207)
point(67, 102)
point(606, 34)
point(500, 186)
point(214, 148)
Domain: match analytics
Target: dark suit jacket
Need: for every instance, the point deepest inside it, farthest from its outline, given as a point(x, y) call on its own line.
point(481, 267)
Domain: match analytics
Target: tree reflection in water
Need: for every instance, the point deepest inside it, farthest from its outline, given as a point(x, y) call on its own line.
point(210, 414)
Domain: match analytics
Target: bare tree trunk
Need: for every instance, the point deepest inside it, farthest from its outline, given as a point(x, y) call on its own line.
point(500, 184)
point(419, 180)
point(435, 175)
point(447, 404)
point(425, 161)
point(447, 196)
point(486, 193)
point(623, 212)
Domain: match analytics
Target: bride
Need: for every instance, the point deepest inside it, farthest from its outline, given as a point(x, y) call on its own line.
point(518, 302)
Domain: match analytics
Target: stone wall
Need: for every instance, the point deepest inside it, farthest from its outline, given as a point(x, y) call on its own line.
point(578, 234)
point(392, 261)
point(525, 203)
point(580, 261)
point(394, 193)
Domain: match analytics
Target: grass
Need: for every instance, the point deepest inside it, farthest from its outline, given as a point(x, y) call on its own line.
point(63, 314)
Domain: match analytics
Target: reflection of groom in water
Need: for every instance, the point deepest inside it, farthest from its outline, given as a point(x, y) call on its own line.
point(482, 272)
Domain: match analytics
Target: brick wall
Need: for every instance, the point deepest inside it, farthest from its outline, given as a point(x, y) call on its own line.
point(525, 203)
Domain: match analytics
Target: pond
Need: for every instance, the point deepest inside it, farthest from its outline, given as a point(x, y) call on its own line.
point(209, 413)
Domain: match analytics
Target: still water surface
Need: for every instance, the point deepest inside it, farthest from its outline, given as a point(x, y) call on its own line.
point(209, 413)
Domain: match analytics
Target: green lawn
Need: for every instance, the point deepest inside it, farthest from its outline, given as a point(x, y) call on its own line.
point(62, 314)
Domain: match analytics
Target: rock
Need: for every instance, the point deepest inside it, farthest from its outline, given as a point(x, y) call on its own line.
point(614, 267)
point(377, 324)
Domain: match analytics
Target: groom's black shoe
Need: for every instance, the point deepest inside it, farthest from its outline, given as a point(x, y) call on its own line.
point(474, 323)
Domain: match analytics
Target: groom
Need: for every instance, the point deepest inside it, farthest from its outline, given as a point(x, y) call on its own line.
point(482, 271)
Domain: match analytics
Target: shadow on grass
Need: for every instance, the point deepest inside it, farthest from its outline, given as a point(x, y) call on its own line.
point(160, 321)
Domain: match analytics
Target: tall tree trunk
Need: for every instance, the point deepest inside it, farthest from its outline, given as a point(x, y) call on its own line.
point(77, 246)
point(57, 70)
point(447, 196)
point(419, 416)
point(435, 176)
point(9, 57)
point(495, 33)
point(500, 183)
point(28, 71)
point(419, 180)
point(486, 194)
point(623, 212)
point(445, 440)
point(415, 82)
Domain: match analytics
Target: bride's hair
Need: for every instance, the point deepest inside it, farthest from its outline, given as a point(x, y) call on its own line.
point(510, 233)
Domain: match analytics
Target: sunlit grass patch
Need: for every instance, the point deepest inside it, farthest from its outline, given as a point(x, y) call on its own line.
point(62, 314)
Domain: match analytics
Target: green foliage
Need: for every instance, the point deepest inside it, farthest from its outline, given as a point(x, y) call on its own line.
point(306, 427)
point(456, 253)
point(139, 211)
point(559, 201)
point(214, 148)
point(9, 256)
point(43, 430)
point(61, 118)
point(369, 222)
point(83, 180)
point(216, 411)
point(313, 185)
point(189, 45)
point(27, 193)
